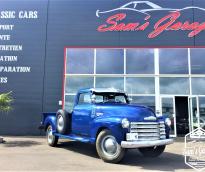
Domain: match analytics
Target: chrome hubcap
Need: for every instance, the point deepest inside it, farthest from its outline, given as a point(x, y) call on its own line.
point(50, 134)
point(60, 122)
point(109, 146)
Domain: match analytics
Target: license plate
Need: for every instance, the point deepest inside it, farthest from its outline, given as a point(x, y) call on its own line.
point(132, 136)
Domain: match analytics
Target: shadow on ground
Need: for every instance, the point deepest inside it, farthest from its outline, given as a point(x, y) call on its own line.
point(78, 147)
point(26, 143)
point(166, 162)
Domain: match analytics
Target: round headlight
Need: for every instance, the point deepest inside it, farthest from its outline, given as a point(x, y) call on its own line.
point(125, 123)
point(168, 122)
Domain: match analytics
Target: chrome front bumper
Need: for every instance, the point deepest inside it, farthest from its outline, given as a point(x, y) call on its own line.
point(139, 144)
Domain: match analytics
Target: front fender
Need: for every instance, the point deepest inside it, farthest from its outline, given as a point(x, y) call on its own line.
point(167, 128)
point(112, 124)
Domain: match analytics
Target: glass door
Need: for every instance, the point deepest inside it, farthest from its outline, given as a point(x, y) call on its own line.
point(168, 109)
point(196, 112)
point(194, 115)
point(202, 111)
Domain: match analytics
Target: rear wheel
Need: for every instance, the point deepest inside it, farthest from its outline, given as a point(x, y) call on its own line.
point(152, 151)
point(51, 139)
point(108, 148)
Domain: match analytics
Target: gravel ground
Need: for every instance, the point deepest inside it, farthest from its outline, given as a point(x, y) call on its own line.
point(33, 154)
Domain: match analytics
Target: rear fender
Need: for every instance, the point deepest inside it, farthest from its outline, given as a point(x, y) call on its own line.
point(49, 119)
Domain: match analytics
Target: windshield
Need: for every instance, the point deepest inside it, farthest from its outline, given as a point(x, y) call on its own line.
point(110, 98)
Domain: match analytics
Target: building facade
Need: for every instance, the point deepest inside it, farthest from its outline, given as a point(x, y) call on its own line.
point(153, 50)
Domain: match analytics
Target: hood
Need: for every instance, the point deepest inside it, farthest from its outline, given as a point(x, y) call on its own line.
point(130, 111)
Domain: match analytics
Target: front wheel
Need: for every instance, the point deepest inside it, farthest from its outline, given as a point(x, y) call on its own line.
point(51, 139)
point(152, 151)
point(108, 148)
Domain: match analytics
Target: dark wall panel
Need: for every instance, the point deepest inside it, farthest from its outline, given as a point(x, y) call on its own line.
point(27, 88)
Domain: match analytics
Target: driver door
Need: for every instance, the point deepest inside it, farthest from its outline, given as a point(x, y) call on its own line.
point(81, 116)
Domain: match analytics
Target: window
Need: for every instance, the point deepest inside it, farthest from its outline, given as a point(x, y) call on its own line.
point(168, 110)
point(74, 83)
point(140, 61)
point(173, 61)
point(120, 99)
point(110, 82)
point(202, 107)
point(69, 102)
point(110, 61)
point(141, 85)
point(84, 98)
point(198, 86)
point(80, 61)
point(197, 60)
point(133, 70)
point(110, 97)
point(144, 100)
point(99, 98)
point(174, 85)
point(167, 107)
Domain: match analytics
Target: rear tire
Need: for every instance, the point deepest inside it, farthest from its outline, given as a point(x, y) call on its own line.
point(108, 148)
point(152, 151)
point(62, 122)
point(51, 139)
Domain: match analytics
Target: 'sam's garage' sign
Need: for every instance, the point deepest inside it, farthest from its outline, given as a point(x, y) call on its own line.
point(170, 22)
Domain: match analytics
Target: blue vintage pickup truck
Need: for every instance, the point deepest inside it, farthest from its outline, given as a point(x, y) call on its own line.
point(106, 118)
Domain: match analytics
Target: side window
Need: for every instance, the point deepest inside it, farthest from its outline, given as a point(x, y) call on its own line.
point(120, 99)
point(98, 99)
point(84, 98)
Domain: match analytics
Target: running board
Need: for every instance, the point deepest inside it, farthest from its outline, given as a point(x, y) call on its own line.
point(73, 137)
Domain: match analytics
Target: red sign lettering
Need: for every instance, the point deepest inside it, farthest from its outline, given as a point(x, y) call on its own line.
point(167, 23)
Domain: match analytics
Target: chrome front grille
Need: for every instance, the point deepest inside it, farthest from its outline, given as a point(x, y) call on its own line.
point(148, 130)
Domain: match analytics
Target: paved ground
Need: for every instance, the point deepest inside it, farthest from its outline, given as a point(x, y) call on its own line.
point(33, 154)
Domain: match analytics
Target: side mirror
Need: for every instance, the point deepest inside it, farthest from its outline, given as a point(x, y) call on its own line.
point(130, 99)
point(60, 102)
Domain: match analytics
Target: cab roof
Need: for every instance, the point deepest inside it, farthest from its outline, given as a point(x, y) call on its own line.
point(101, 90)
